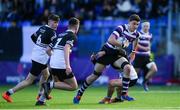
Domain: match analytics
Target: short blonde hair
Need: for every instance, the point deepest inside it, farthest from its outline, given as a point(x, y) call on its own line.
point(145, 23)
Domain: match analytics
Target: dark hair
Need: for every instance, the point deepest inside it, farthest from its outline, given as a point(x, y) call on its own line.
point(134, 17)
point(73, 21)
point(53, 17)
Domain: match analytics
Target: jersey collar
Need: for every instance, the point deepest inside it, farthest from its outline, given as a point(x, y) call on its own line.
point(69, 30)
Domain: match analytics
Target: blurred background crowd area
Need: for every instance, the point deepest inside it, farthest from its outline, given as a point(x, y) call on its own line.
point(35, 12)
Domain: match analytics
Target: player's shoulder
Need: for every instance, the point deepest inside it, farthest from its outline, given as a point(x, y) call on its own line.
point(65, 34)
point(137, 34)
point(145, 34)
point(121, 27)
point(62, 34)
point(71, 34)
point(47, 29)
point(42, 29)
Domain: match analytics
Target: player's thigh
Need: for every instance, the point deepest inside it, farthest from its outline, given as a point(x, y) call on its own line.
point(121, 62)
point(116, 82)
point(55, 78)
point(155, 67)
point(99, 67)
point(152, 66)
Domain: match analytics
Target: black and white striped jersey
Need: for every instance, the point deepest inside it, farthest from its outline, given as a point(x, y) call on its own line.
point(67, 37)
point(42, 38)
point(57, 58)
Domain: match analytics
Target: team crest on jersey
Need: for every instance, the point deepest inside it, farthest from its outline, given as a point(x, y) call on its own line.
point(42, 30)
point(62, 34)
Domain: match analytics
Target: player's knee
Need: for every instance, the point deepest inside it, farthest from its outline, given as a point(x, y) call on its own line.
point(124, 64)
point(75, 87)
point(153, 69)
point(97, 73)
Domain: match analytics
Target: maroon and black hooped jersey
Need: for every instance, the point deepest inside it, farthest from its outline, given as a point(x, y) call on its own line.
point(42, 38)
point(123, 31)
point(144, 40)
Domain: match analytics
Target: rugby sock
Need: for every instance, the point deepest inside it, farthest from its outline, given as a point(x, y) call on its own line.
point(125, 85)
point(10, 92)
point(83, 88)
point(51, 84)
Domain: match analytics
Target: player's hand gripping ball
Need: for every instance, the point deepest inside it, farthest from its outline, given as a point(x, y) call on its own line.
point(123, 41)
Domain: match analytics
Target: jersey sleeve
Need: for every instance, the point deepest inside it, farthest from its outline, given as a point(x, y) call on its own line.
point(71, 39)
point(33, 38)
point(35, 35)
point(118, 31)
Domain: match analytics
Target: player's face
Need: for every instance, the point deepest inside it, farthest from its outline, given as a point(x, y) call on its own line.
point(77, 29)
point(53, 24)
point(146, 27)
point(133, 25)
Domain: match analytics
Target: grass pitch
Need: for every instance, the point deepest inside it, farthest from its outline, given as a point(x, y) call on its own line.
point(158, 98)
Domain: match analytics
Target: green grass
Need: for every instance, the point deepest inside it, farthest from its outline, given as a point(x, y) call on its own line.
point(159, 97)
